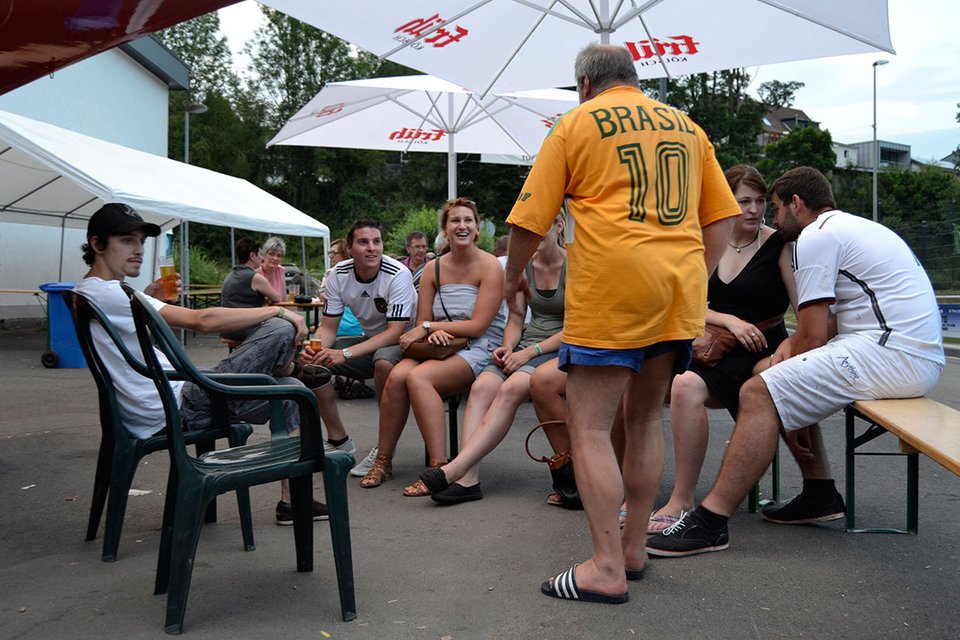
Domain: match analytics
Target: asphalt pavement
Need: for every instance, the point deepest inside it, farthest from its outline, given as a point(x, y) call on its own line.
point(462, 572)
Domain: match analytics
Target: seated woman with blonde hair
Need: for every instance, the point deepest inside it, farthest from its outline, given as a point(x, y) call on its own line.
point(461, 296)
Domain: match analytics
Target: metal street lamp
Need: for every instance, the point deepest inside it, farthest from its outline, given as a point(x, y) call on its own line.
point(196, 108)
point(876, 148)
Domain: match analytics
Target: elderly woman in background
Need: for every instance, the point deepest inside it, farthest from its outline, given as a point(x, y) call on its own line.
point(466, 301)
point(272, 267)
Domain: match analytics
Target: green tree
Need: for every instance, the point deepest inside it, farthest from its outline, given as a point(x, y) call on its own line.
point(219, 137)
point(956, 152)
point(930, 194)
point(718, 102)
point(291, 62)
point(808, 146)
point(197, 42)
point(777, 95)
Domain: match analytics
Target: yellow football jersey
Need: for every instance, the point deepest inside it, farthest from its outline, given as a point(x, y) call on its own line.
point(641, 180)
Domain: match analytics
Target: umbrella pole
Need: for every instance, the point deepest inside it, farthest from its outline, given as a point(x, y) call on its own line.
point(233, 249)
point(184, 274)
point(451, 171)
point(604, 22)
point(451, 161)
point(303, 276)
point(451, 156)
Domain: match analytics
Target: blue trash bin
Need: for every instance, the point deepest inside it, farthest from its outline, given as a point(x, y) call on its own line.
point(62, 343)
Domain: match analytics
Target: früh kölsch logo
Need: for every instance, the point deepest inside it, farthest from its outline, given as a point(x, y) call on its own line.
point(674, 49)
point(440, 33)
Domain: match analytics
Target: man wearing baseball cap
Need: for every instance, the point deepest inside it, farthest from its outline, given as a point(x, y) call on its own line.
point(114, 251)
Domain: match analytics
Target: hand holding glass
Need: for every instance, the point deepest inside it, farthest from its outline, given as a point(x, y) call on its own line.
point(168, 276)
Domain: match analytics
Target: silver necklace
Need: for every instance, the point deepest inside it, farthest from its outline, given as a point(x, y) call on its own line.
point(739, 248)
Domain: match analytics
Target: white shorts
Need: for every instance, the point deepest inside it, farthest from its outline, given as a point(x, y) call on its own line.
point(814, 385)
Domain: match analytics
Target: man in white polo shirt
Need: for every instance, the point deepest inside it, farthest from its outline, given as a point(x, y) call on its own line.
point(868, 327)
point(379, 291)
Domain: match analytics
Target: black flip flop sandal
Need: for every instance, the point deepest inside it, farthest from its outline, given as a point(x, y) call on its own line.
point(564, 587)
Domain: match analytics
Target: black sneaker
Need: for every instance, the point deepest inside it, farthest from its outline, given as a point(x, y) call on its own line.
point(285, 512)
point(804, 509)
point(686, 537)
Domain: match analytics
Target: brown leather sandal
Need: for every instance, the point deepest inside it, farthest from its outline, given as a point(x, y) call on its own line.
point(418, 489)
point(381, 470)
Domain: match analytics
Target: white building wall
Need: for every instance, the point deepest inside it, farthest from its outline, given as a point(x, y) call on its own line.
point(111, 97)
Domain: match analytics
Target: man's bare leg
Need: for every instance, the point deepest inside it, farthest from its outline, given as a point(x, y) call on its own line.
point(688, 421)
point(327, 399)
point(750, 451)
point(748, 455)
point(819, 501)
point(644, 452)
point(806, 446)
point(381, 371)
point(593, 396)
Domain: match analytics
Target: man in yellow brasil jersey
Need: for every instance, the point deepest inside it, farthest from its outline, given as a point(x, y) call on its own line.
point(649, 215)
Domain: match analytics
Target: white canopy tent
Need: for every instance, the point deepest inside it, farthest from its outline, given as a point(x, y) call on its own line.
point(56, 177)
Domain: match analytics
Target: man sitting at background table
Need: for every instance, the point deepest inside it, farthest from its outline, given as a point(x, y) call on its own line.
point(246, 288)
point(379, 290)
point(416, 246)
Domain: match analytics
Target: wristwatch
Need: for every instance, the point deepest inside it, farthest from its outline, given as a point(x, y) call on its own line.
point(426, 326)
point(346, 354)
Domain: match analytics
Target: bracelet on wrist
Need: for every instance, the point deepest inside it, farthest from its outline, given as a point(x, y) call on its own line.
point(536, 347)
point(280, 312)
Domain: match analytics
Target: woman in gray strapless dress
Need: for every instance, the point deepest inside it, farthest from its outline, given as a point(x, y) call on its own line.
point(470, 283)
point(504, 384)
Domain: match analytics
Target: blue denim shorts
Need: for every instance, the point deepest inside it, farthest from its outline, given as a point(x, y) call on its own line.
point(630, 358)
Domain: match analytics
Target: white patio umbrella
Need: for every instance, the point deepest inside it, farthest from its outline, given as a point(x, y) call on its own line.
point(423, 113)
point(505, 45)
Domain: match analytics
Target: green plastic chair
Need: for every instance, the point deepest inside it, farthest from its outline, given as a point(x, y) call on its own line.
point(195, 481)
point(120, 453)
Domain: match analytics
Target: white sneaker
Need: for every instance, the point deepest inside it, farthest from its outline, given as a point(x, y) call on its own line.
point(365, 465)
point(348, 447)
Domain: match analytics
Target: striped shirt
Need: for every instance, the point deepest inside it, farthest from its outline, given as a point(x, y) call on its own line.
point(388, 297)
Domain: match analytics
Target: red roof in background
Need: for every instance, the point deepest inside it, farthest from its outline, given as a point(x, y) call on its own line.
point(37, 37)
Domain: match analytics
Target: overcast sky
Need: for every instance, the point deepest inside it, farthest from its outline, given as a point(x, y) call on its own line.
point(917, 92)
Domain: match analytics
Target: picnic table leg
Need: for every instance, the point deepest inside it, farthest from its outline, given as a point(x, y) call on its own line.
point(913, 486)
point(851, 484)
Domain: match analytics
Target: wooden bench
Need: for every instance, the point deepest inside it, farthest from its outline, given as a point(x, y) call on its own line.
point(922, 426)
